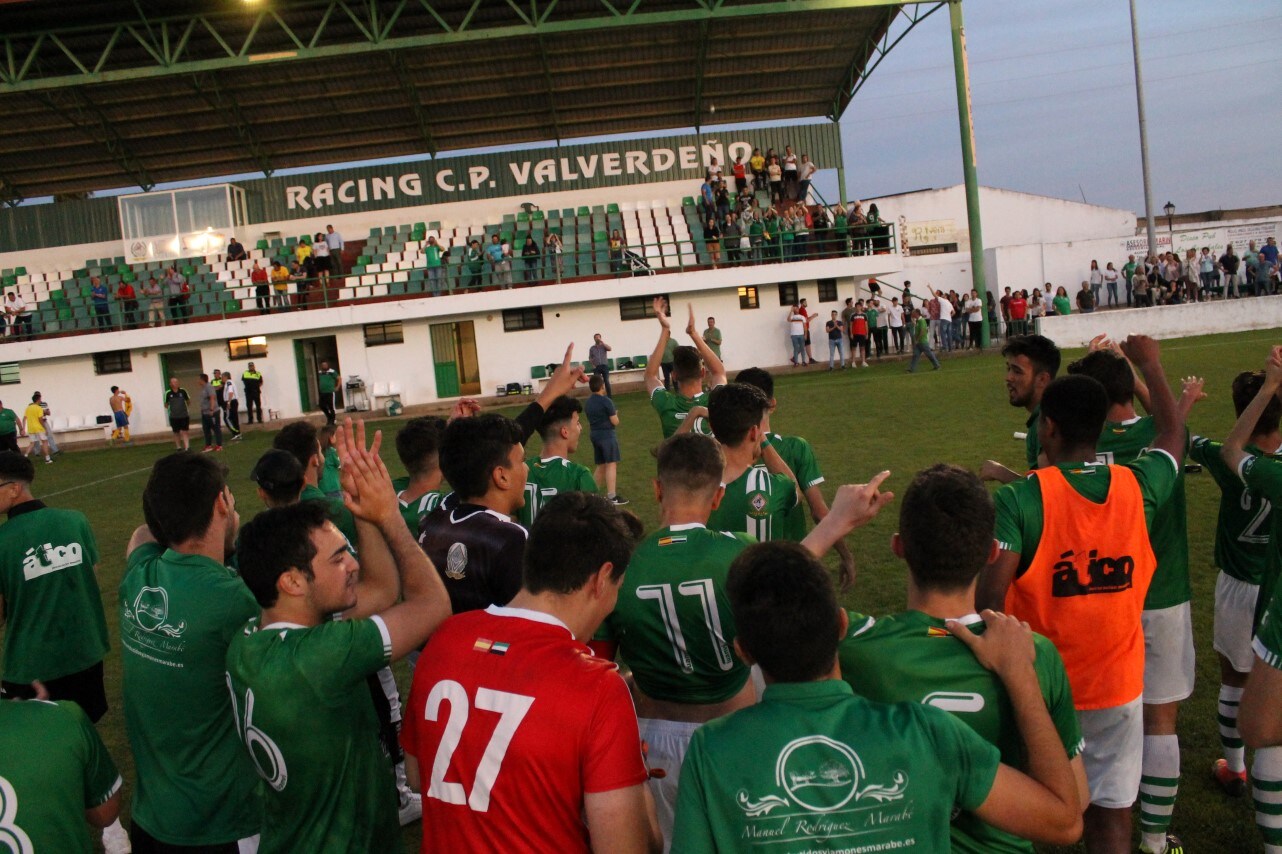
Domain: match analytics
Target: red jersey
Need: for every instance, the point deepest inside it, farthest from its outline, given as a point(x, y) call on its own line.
point(1018, 308)
point(512, 720)
point(258, 276)
point(739, 171)
point(858, 325)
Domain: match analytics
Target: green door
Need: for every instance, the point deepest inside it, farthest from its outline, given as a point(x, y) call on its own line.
point(304, 377)
point(445, 359)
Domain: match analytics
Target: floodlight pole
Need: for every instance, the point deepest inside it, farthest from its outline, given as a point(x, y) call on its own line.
point(962, 71)
point(1139, 103)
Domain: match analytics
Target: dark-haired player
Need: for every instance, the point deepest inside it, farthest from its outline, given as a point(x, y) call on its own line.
point(525, 739)
point(760, 488)
point(298, 677)
point(418, 444)
point(180, 606)
point(691, 366)
point(813, 767)
point(1075, 552)
point(552, 472)
point(911, 656)
point(1168, 623)
point(1032, 361)
point(799, 456)
point(302, 439)
point(1242, 545)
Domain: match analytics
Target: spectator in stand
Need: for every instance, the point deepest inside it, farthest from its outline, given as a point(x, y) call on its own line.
point(1036, 307)
point(1206, 272)
point(435, 257)
point(714, 174)
point(1229, 267)
point(836, 331)
point(304, 274)
point(262, 289)
point(174, 282)
point(1063, 306)
point(128, 300)
point(280, 284)
point(616, 247)
point(336, 245)
point(740, 175)
point(975, 319)
point(155, 301)
point(101, 305)
point(1110, 283)
point(1258, 272)
point(19, 318)
point(530, 257)
point(500, 258)
point(1085, 299)
point(708, 198)
point(789, 173)
point(553, 251)
point(775, 173)
point(1128, 274)
point(323, 261)
point(731, 237)
point(712, 240)
point(805, 171)
point(1096, 278)
point(1019, 313)
point(302, 250)
point(757, 164)
point(723, 201)
point(235, 251)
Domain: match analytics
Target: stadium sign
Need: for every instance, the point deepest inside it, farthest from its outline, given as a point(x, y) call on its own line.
point(539, 170)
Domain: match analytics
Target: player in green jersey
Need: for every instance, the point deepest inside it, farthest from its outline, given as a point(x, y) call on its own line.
point(760, 487)
point(1168, 622)
point(1241, 554)
point(1260, 718)
point(911, 656)
point(299, 678)
point(1032, 361)
point(279, 478)
point(179, 609)
point(302, 439)
point(797, 453)
point(814, 767)
point(672, 624)
point(55, 775)
point(552, 472)
point(418, 445)
point(691, 366)
point(1114, 732)
point(328, 482)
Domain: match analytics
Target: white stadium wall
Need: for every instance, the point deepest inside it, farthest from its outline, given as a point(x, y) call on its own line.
point(1168, 321)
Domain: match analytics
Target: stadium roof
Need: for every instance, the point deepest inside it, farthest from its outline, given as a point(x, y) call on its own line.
point(113, 94)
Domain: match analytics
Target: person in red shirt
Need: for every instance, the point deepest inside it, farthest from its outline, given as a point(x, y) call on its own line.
point(262, 291)
point(128, 304)
point(1018, 313)
point(858, 335)
point(527, 740)
point(740, 175)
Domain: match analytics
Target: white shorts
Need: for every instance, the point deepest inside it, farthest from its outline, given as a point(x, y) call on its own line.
point(666, 743)
point(1113, 753)
point(1168, 654)
point(1234, 613)
point(37, 437)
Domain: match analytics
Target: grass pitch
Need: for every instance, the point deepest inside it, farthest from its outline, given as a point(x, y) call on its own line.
point(860, 422)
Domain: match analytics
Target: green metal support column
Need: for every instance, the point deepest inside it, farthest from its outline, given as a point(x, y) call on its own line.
point(962, 71)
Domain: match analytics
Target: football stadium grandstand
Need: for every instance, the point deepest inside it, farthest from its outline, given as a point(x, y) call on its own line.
point(151, 97)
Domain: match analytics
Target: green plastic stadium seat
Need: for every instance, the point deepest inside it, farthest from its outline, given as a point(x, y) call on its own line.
point(609, 363)
point(612, 208)
point(262, 245)
point(687, 202)
point(600, 237)
point(641, 361)
point(537, 216)
point(585, 211)
point(538, 372)
point(20, 271)
point(523, 217)
point(375, 232)
point(509, 218)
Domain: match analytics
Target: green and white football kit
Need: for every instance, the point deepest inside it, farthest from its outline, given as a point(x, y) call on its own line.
point(673, 407)
point(812, 767)
point(414, 511)
point(303, 710)
point(800, 457)
point(912, 657)
point(547, 479)
point(755, 504)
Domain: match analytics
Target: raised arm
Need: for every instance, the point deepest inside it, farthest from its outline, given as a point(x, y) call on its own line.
point(1234, 450)
point(1042, 805)
point(854, 506)
point(814, 496)
point(1145, 354)
point(652, 380)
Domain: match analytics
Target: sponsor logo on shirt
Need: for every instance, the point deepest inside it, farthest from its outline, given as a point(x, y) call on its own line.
point(456, 562)
point(822, 793)
point(150, 612)
point(48, 558)
point(1102, 575)
point(954, 701)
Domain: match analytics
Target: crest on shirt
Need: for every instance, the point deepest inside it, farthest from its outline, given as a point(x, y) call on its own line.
point(820, 775)
point(759, 502)
point(456, 562)
point(150, 611)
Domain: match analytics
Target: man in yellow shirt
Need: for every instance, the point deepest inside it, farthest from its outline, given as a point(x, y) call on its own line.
point(280, 283)
point(34, 416)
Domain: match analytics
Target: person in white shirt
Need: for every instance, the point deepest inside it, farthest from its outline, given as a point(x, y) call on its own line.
point(895, 317)
point(804, 173)
point(945, 319)
point(15, 310)
point(324, 262)
point(335, 242)
point(975, 319)
point(797, 322)
point(232, 401)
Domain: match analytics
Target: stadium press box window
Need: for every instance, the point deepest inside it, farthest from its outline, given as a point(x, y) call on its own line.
point(827, 290)
point(247, 348)
point(522, 319)
point(112, 362)
point(787, 293)
point(639, 308)
point(377, 334)
point(9, 374)
point(748, 297)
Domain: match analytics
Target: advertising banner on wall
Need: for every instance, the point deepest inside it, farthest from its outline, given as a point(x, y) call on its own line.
point(537, 170)
point(1217, 238)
